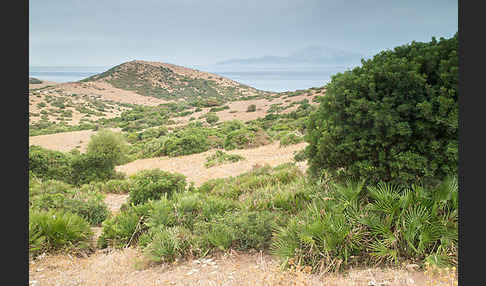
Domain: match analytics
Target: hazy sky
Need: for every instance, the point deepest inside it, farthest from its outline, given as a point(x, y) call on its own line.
point(198, 32)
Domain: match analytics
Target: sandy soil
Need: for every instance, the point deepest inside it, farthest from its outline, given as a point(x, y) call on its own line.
point(115, 201)
point(36, 97)
point(65, 141)
point(129, 267)
point(106, 91)
point(262, 106)
point(193, 167)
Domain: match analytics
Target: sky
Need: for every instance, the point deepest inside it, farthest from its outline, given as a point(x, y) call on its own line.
point(195, 32)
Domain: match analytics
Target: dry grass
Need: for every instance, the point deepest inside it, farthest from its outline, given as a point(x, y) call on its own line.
point(59, 92)
point(193, 166)
point(129, 267)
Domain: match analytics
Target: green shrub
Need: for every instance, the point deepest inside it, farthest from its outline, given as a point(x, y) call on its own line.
point(56, 195)
point(290, 138)
point(48, 164)
point(241, 230)
point(168, 243)
point(117, 186)
point(125, 227)
point(108, 145)
point(394, 119)
point(251, 108)
point(153, 184)
point(153, 133)
point(189, 141)
point(57, 230)
point(211, 118)
point(91, 167)
point(245, 138)
point(219, 158)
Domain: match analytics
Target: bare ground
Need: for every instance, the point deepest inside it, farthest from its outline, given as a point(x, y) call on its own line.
point(129, 267)
point(193, 167)
point(114, 202)
point(65, 141)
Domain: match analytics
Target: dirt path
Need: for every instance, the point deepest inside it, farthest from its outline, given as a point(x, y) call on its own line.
point(193, 167)
point(129, 267)
point(114, 201)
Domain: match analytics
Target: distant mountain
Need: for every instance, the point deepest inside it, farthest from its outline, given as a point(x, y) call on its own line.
point(311, 55)
point(33, 80)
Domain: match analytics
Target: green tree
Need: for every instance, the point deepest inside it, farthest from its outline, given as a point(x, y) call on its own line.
point(393, 119)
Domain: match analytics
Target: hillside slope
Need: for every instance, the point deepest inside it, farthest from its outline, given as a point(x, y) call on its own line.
point(168, 81)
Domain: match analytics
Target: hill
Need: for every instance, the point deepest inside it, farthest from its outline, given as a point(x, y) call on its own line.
point(168, 81)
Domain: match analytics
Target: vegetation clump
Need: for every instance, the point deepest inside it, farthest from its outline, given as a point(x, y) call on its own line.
point(220, 157)
point(153, 184)
point(393, 119)
point(57, 231)
point(251, 108)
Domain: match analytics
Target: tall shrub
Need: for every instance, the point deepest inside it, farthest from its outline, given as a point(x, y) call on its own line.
point(393, 119)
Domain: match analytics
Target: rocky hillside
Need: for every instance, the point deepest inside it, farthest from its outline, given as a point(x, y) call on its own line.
point(169, 82)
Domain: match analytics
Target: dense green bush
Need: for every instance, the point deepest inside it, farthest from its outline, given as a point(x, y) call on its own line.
point(153, 184)
point(185, 143)
point(109, 146)
point(393, 119)
point(57, 230)
point(251, 108)
point(125, 227)
point(48, 164)
point(57, 195)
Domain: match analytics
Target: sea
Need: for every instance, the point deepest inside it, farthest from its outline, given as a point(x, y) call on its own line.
point(268, 78)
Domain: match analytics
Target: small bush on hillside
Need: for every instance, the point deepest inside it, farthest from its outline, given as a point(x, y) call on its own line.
point(189, 141)
point(211, 118)
point(216, 109)
point(154, 147)
point(33, 80)
point(57, 230)
point(91, 167)
point(168, 243)
point(219, 157)
point(246, 138)
point(153, 184)
point(290, 138)
point(251, 108)
point(48, 164)
point(153, 133)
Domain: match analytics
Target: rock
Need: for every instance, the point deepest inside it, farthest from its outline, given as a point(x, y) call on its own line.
point(412, 267)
